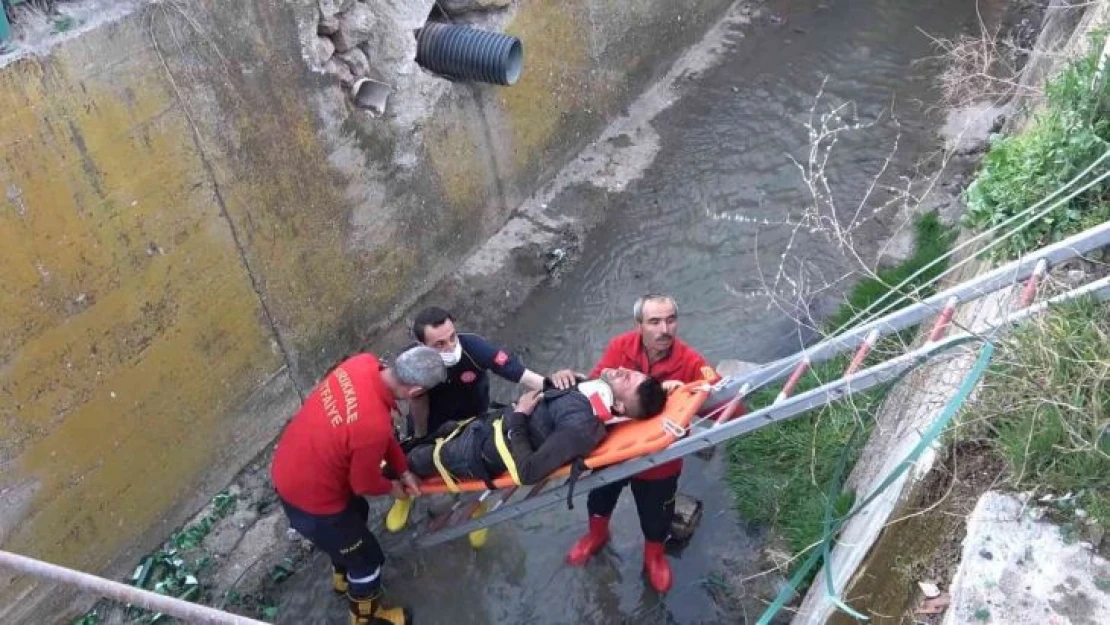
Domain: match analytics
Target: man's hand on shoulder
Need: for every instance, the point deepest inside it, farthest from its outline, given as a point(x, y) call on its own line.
point(527, 402)
point(564, 379)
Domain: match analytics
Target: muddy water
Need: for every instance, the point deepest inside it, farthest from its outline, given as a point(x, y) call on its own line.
point(725, 148)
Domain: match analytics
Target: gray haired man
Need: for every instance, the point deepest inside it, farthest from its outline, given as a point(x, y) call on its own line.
point(330, 456)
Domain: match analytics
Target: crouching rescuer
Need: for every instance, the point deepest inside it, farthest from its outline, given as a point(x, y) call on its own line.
point(330, 456)
point(543, 431)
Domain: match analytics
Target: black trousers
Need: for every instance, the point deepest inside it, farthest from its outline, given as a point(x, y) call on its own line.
point(470, 454)
point(347, 540)
point(654, 503)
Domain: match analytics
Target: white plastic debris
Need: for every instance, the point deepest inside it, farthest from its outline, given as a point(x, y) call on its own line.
point(929, 589)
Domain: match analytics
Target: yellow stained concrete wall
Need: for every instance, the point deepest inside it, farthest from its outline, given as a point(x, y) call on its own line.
point(131, 333)
point(177, 261)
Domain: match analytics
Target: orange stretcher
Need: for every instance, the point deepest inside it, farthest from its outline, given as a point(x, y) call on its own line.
point(627, 440)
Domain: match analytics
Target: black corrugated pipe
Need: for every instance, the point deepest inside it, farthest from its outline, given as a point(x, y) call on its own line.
point(467, 53)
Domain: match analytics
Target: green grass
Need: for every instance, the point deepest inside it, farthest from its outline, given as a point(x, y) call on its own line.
point(780, 475)
point(1069, 134)
point(1046, 404)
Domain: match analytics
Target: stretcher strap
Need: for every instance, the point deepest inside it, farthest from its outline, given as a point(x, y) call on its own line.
point(448, 480)
point(503, 450)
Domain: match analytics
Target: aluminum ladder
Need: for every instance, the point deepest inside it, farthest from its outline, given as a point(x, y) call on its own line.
point(716, 423)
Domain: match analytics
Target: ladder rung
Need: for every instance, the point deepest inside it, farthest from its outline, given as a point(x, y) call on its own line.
point(1029, 291)
point(943, 320)
point(735, 407)
point(861, 353)
point(795, 377)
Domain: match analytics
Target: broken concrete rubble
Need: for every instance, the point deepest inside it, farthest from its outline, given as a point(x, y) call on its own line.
point(328, 26)
point(1015, 569)
point(374, 41)
point(340, 70)
point(355, 27)
point(356, 60)
point(322, 51)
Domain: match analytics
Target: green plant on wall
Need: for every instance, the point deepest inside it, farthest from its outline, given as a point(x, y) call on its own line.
point(1070, 133)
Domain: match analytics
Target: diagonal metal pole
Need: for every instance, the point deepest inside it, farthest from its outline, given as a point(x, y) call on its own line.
point(184, 610)
point(711, 436)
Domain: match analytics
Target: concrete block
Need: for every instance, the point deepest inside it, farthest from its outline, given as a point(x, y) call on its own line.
point(1015, 569)
point(687, 515)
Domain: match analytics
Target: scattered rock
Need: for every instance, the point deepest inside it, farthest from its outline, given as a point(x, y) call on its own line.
point(355, 27)
point(929, 589)
point(687, 515)
point(555, 258)
point(340, 71)
point(968, 129)
point(355, 60)
point(322, 51)
point(328, 26)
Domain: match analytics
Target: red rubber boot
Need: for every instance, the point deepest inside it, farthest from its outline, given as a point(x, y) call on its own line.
point(591, 543)
point(656, 567)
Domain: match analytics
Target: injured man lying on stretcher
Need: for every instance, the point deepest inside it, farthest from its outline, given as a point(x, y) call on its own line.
point(541, 432)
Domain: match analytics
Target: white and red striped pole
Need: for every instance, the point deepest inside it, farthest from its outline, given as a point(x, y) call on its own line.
point(1029, 292)
point(735, 407)
point(940, 327)
point(861, 353)
point(795, 377)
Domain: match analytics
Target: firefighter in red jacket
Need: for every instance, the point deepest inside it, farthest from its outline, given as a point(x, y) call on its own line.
point(330, 455)
point(652, 348)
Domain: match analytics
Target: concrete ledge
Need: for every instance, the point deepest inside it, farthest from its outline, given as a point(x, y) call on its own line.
point(1018, 570)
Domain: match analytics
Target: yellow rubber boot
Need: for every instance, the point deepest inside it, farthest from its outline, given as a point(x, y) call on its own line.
point(370, 611)
point(398, 515)
point(478, 537)
point(338, 581)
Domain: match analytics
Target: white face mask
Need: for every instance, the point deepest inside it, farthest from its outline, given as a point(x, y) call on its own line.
point(452, 358)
